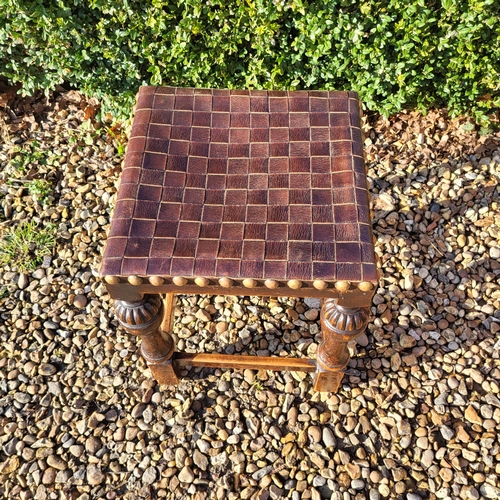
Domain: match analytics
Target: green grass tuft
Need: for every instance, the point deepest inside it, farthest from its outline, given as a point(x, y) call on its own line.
point(25, 246)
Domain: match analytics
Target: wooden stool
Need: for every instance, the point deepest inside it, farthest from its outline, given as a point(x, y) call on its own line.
point(241, 192)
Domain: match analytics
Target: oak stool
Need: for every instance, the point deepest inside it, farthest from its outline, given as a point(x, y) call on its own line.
point(242, 192)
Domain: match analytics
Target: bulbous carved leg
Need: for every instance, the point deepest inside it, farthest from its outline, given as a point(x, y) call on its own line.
point(144, 318)
point(339, 325)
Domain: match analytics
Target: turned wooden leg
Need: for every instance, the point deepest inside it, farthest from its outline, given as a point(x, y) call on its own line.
point(144, 318)
point(339, 325)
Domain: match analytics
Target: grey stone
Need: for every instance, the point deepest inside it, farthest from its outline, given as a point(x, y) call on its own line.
point(489, 491)
point(275, 492)
point(494, 253)
point(63, 476)
point(259, 474)
point(203, 445)
point(200, 460)
point(446, 432)
point(147, 415)
point(46, 369)
point(23, 281)
point(220, 460)
point(94, 475)
point(93, 444)
point(329, 438)
point(138, 410)
point(312, 303)
point(358, 484)
point(22, 397)
point(54, 388)
point(319, 481)
point(149, 476)
point(413, 496)
point(57, 462)
point(253, 425)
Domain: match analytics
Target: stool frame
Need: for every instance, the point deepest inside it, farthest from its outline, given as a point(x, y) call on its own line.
point(243, 192)
point(142, 312)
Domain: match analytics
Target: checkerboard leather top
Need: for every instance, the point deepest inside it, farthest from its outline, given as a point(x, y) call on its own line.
point(243, 184)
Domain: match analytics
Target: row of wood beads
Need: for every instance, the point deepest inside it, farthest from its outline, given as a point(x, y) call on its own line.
point(341, 286)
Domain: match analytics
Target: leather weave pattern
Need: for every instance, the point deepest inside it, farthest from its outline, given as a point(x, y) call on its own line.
point(243, 184)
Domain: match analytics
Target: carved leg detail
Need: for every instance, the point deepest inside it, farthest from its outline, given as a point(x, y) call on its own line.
point(144, 318)
point(339, 326)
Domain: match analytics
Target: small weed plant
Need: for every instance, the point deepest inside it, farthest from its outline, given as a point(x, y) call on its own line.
point(25, 156)
point(27, 161)
point(24, 247)
point(40, 190)
point(118, 138)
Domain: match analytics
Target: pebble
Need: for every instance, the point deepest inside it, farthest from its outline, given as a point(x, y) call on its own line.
point(495, 254)
point(46, 369)
point(314, 434)
point(76, 450)
point(54, 388)
point(22, 397)
point(49, 476)
point(23, 281)
point(446, 432)
point(203, 315)
point(413, 496)
point(92, 445)
point(328, 438)
point(472, 416)
point(249, 376)
point(57, 462)
point(311, 314)
point(200, 460)
point(489, 491)
point(446, 475)
point(80, 301)
point(10, 465)
point(357, 484)
point(258, 475)
point(427, 458)
point(203, 445)
point(94, 475)
point(149, 476)
point(384, 490)
point(275, 492)
point(186, 475)
point(221, 327)
point(138, 410)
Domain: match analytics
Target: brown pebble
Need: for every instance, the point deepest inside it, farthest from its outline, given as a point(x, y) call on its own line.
point(46, 369)
point(80, 301)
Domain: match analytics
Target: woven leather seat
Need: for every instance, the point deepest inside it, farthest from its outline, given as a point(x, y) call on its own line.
point(244, 192)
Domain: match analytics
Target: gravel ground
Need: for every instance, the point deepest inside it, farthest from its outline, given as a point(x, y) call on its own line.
point(418, 413)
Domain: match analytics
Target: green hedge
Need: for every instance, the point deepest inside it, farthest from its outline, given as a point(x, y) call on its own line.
point(395, 53)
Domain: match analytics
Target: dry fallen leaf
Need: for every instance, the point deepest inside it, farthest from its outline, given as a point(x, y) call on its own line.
point(486, 222)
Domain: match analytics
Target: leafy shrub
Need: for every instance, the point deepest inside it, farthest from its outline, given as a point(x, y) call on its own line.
point(393, 52)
